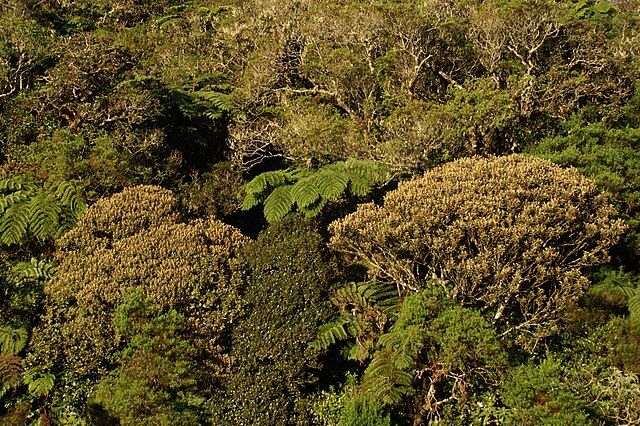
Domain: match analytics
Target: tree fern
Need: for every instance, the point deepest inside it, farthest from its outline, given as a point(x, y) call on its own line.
point(310, 190)
point(389, 376)
point(28, 211)
point(365, 311)
point(12, 340)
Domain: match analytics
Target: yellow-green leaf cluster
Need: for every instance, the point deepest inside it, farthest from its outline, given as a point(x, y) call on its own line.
point(134, 241)
point(508, 234)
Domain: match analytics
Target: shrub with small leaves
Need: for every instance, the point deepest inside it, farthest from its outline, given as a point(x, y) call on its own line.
point(134, 241)
point(508, 235)
point(289, 276)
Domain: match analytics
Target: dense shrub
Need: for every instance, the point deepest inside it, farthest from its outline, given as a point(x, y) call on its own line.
point(289, 274)
point(509, 235)
point(134, 241)
point(157, 379)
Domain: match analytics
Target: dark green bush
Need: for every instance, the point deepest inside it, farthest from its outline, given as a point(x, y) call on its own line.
point(289, 274)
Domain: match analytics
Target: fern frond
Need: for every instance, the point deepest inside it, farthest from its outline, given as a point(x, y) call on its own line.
point(267, 181)
point(330, 333)
point(359, 185)
point(350, 294)
point(12, 340)
point(164, 21)
point(212, 10)
point(314, 209)
point(14, 224)
point(250, 201)
point(35, 269)
point(10, 370)
point(222, 101)
point(10, 184)
point(633, 304)
point(331, 183)
point(69, 195)
point(278, 204)
point(44, 215)
point(373, 171)
point(305, 192)
point(39, 385)
point(9, 200)
point(385, 381)
point(375, 294)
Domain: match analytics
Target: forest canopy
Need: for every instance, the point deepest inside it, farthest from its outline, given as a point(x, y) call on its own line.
point(334, 213)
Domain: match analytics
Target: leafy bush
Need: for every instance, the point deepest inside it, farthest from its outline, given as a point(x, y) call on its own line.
point(289, 275)
point(539, 395)
point(508, 235)
point(135, 241)
point(157, 378)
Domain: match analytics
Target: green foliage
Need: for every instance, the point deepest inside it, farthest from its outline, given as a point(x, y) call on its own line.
point(289, 274)
point(508, 234)
point(363, 413)
point(608, 156)
point(156, 380)
point(311, 190)
point(31, 212)
point(365, 309)
point(39, 384)
point(135, 240)
point(623, 283)
point(539, 395)
point(34, 269)
point(12, 340)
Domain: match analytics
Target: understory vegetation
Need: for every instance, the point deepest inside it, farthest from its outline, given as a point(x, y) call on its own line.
point(331, 213)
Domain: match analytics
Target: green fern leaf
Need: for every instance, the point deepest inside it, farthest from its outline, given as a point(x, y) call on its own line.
point(212, 11)
point(222, 101)
point(34, 269)
point(39, 385)
point(359, 185)
point(9, 200)
point(278, 204)
point(164, 21)
point(634, 305)
point(330, 183)
point(10, 184)
point(250, 201)
point(349, 295)
point(44, 215)
point(330, 333)
point(266, 182)
point(305, 192)
point(14, 224)
point(314, 209)
point(70, 196)
point(385, 381)
point(12, 340)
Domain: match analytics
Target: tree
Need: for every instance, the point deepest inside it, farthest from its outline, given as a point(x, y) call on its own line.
point(289, 273)
point(508, 235)
point(136, 241)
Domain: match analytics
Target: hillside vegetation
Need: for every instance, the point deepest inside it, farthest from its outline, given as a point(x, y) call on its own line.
point(310, 212)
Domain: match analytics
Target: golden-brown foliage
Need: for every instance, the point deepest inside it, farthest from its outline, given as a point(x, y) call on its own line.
point(133, 241)
point(509, 235)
